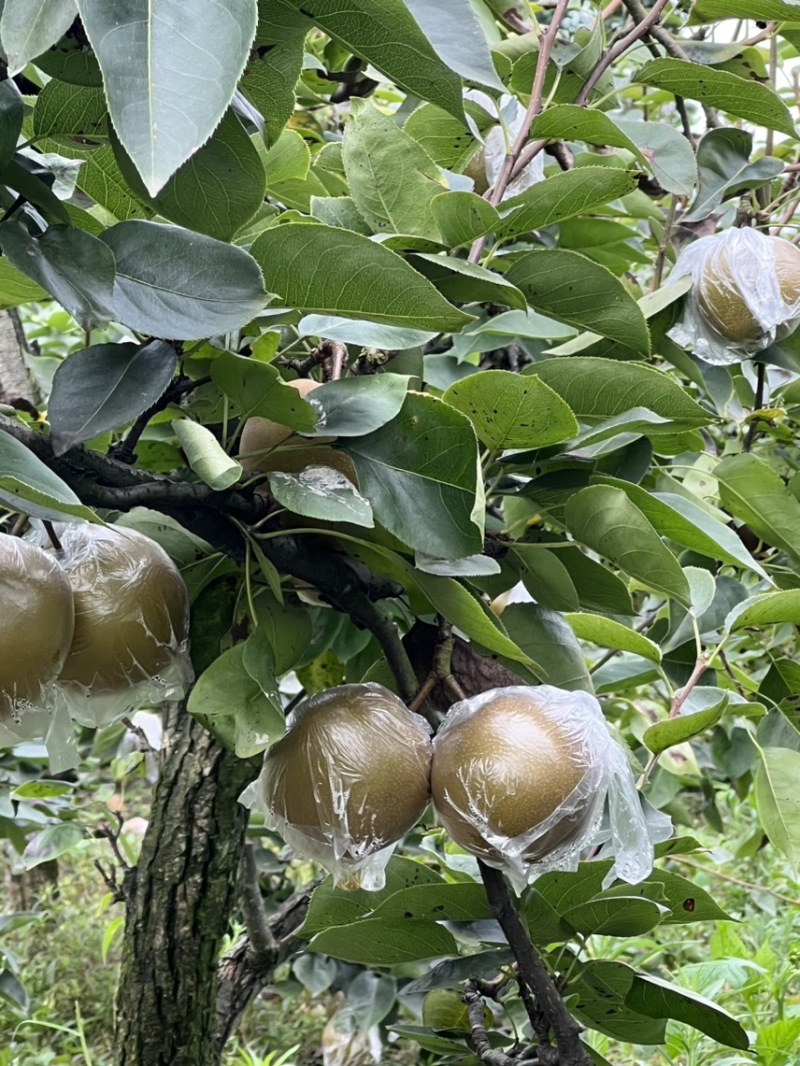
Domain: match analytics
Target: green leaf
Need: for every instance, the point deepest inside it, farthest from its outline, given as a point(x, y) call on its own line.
point(777, 799)
point(597, 587)
point(461, 608)
point(63, 110)
point(573, 289)
point(16, 288)
point(717, 88)
point(572, 123)
point(614, 916)
point(598, 389)
point(51, 842)
point(331, 906)
point(332, 271)
point(461, 217)
point(460, 280)
point(686, 901)
point(27, 485)
point(205, 455)
point(105, 387)
point(269, 83)
point(74, 267)
point(216, 191)
point(11, 113)
point(464, 902)
point(546, 578)
point(454, 30)
point(174, 283)
point(232, 705)
point(752, 491)
point(41, 790)
point(705, 710)
point(602, 989)
point(565, 195)
point(607, 633)
point(509, 411)
point(420, 472)
point(771, 608)
point(30, 27)
point(668, 153)
point(386, 35)
point(323, 493)
point(149, 55)
point(353, 407)
point(658, 999)
point(768, 10)
point(546, 638)
point(724, 167)
point(390, 177)
point(678, 519)
point(258, 390)
point(605, 520)
point(288, 628)
point(364, 334)
point(385, 942)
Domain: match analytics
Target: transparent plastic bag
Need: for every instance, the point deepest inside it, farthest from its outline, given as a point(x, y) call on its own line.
point(348, 780)
point(522, 776)
point(37, 622)
point(130, 646)
point(745, 295)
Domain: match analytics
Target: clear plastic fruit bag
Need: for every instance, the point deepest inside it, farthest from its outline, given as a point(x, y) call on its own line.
point(528, 778)
point(745, 295)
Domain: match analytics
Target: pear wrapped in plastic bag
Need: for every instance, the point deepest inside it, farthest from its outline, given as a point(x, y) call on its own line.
point(347, 781)
point(37, 621)
point(521, 778)
point(130, 645)
point(745, 295)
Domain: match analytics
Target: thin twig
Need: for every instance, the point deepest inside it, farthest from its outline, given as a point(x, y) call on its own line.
point(636, 34)
point(752, 429)
point(751, 886)
point(566, 1030)
point(262, 939)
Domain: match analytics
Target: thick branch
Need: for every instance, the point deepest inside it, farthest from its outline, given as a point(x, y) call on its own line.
point(566, 1030)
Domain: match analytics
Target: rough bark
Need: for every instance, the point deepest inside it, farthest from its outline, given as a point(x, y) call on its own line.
point(16, 382)
point(179, 903)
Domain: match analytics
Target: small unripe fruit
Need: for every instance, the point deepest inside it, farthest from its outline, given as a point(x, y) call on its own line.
point(349, 778)
point(722, 292)
point(131, 621)
point(36, 627)
point(501, 771)
point(444, 1010)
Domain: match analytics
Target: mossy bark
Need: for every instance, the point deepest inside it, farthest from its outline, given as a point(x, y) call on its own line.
point(179, 903)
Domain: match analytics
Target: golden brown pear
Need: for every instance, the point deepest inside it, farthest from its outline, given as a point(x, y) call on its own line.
point(131, 610)
point(351, 773)
point(501, 771)
point(36, 626)
point(721, 300)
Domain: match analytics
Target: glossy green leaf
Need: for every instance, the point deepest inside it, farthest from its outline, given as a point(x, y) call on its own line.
point(777, 799)
point(386, 35)
point(353, 407)
point(16, 288)
point(598, 588)
point(752, 492)
point(565, 195)
point(771, 608)
point(462, 281)
point(705, 710)
point(335, 272)
point(573, 289)
point(105, 387)
point(724, 168)
point(614, 916)
point(364, 334)
point(546, 638)
point(744, 98)
point(420, 474)
point(668, 153)
point(602, 989)
point(454, 31)
point(27, 485)
point(390, 177)
point(30, 27)
point(658, 999)
point(323, 493)
point(258, 390)
point(686, 901)
point(205, 455)
point(608, 633)
point(572, 123)
point(546, 577)
point(437, 903)
point(174, 283)
point(216, 191)
point(11, 112)
point(604, 519)
point(509, 411)
point(51, 842)
point(768, 10)
point(461, 217)
point(150, 52)
point(74, 267)
point(385, 942)
point(269, 82)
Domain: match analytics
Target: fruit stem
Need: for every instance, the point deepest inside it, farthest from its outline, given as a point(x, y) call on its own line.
point(52, 535)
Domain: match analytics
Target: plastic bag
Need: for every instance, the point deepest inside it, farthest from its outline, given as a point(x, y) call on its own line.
point(349, 778)
point(37, 622)
point(130, 646)
point(521, 777)
point(745, 295)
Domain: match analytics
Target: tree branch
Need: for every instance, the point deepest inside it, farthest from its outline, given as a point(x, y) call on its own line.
point(636, 34)
point(566, 1030)
point(262, 941)
point(480, 1041)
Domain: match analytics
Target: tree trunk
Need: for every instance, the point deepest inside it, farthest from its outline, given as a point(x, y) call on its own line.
point(179, 902)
